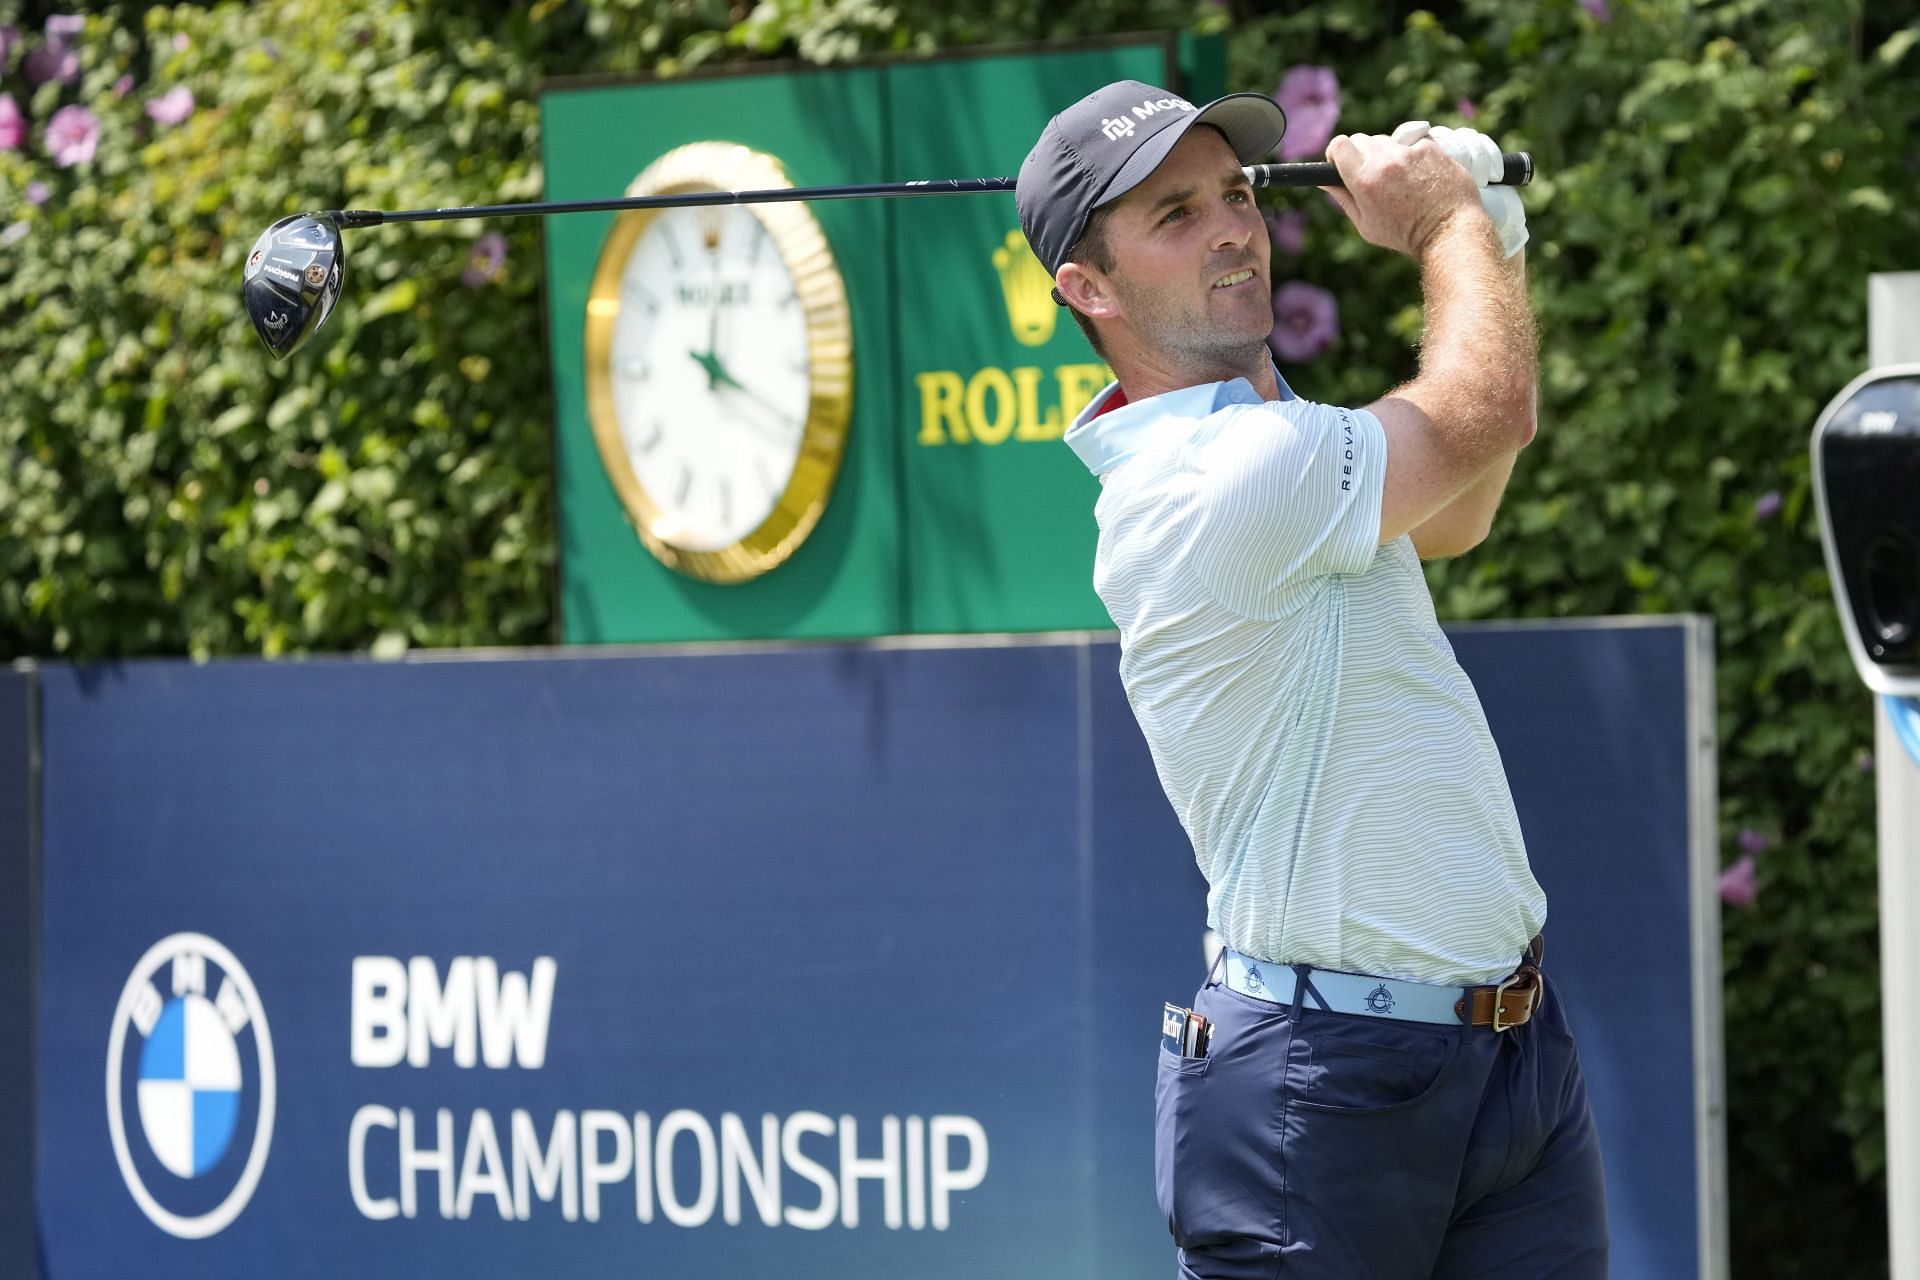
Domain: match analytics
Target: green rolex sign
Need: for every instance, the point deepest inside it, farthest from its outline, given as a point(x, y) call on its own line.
point(832, 419)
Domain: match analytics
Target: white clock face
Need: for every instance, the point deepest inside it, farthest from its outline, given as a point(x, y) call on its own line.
point(707, 364)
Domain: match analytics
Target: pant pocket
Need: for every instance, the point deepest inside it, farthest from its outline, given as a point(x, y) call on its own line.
point(1216, 1140)
point(1365, 1066)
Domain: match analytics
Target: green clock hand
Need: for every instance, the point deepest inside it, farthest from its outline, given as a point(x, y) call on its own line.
point(711, 363)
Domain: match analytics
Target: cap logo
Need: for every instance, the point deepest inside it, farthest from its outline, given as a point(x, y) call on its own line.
point(1121, 127)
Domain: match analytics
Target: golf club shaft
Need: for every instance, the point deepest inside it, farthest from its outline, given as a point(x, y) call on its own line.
point(1317, 173)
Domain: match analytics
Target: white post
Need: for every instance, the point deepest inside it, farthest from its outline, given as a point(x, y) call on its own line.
point(1893, 337)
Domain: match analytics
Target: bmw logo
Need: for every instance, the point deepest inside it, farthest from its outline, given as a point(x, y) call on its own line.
point(190, 1085)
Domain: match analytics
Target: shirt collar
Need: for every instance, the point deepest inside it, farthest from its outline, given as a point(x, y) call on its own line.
point(1104, 438)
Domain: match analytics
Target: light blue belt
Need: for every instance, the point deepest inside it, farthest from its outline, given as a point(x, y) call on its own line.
point(1339, 992)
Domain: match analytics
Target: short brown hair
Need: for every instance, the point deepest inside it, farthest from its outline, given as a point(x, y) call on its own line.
point(1092, 250)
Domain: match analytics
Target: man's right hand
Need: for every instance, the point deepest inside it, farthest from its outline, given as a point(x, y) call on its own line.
point(1400, 197)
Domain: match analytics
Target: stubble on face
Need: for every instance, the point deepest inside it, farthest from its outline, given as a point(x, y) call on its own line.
point(1174, 238)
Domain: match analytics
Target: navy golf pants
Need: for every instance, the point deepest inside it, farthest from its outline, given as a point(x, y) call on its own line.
point(1313, 1144)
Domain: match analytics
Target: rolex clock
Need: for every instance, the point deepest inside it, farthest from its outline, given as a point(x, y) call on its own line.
point(719, 366)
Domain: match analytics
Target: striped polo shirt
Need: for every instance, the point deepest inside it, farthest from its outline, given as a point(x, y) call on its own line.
point(1323, 749)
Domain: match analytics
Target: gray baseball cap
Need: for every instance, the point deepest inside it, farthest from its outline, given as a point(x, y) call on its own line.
point(1110, 141)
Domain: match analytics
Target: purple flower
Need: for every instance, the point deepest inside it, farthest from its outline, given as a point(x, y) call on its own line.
point(171, 107)
point(53, 62)
point(1752, 841)
point(123, 86)
point(1466, 108)
point(58, 59)
point(271, 48)
point(1289, 230)
point(1306, 320)
point(488, 261)
point(72, 135)
point(1766, 506)
point(1599, 10)
point(13, 126)
point(13, 235)
point(1737, 883)
point(1864, 762)
point(1311, 98)
point(37, 193)
point(9, 41)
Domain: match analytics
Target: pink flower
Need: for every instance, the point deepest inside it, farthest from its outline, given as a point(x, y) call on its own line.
point(1311, 98)
point(1466, 108)
point(72, 135)
point(171, 107)
point(1766, 506)
point(488, 261)
point(9, 41)
point(1289, 230)
point(13, 126)
point(37, 193)
point(180, 41)
point(1752, 841)
point(1737, 883)
point(63, 27)
point(1306, 320)
point(123, 86)
point(1597, 8)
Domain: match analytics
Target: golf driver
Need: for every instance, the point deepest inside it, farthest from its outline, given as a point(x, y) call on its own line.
point(294, 274)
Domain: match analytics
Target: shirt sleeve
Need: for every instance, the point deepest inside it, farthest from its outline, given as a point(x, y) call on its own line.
point(1288, 492)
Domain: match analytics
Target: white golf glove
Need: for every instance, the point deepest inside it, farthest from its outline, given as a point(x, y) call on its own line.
point(1479, 155)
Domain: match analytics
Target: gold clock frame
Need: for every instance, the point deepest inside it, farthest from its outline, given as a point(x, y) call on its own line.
point(803, 247)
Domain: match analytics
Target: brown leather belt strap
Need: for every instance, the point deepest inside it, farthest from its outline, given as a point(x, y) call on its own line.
point(1511, 1003)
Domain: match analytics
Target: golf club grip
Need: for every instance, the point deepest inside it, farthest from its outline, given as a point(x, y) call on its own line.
point(1516, 171)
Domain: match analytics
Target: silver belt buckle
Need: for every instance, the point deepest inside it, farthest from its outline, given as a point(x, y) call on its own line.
point(1533, 1005)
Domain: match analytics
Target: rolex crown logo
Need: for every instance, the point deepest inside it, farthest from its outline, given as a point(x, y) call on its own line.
point(1028, 289)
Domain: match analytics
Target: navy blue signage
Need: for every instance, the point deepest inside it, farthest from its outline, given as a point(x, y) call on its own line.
point(16, 973)
point(816, 962)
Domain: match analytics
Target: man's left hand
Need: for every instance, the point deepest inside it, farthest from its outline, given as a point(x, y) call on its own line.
point(1479, 155)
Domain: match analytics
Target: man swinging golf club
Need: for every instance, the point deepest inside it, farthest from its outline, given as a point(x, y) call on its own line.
point(1373, 1082)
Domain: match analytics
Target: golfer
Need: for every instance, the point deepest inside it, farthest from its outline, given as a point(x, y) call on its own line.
point(1383, 1087)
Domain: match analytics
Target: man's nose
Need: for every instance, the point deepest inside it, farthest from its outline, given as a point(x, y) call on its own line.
point(1233, 226)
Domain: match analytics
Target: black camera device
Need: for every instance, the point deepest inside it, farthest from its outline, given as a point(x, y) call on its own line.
point(1866, 471)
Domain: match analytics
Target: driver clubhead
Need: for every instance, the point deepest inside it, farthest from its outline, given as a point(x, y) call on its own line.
point(292, 280)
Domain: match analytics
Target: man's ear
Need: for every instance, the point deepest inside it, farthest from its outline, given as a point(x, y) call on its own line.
point(1086, 291)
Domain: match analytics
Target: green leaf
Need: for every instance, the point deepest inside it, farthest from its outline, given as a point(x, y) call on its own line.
point(395, 298)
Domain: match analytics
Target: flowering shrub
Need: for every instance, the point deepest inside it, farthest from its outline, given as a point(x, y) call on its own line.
point(167, 487)
point(1715, 180)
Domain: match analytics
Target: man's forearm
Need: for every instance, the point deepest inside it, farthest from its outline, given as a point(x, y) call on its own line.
point(1478, 357)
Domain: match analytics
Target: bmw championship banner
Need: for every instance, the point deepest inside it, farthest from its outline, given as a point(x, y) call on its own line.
point(822, 962)
point(839, 418)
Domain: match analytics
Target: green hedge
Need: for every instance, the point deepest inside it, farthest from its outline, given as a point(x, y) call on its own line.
point(1716, 180)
